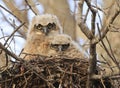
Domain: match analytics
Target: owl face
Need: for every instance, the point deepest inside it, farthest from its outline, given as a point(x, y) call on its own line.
point(60, 42)
point(60, 47)
point(45, 29)
point(46, 24)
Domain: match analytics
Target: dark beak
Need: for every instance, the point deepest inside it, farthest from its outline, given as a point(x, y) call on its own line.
point(45, 30)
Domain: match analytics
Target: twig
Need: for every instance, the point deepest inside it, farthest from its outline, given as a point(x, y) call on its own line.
point(90, 35)
point(86, 15)
point(23, 35)
point(98, 8)
point(13, 12)
point(107, 63)
point(113, 59)
point(111, 76)
point(105, 27)
point(90, 6)
point(85, 30)
point(2, 34)
point(111, 49)
point(71, 70)
point(115, 77)
point(30, 7)
point(81, 23)
point(80, 8)
point(10, 12)
point(100, 20)
point(103, 43)
point(10, 53)
point(4, 38)
point(14, 33)
point(102, 83)
point(9, 36)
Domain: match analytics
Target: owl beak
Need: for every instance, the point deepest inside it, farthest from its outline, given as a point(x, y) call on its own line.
point(59, 48)
point(45, 30)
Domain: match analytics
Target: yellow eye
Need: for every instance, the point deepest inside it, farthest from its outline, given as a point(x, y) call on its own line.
point(39, 26)
point(54, 46)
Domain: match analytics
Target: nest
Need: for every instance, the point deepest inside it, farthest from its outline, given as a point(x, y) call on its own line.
point(47, 72)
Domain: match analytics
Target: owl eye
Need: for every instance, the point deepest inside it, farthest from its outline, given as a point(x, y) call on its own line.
point(54, 46)
point(65, 46)
point(60, 47)
point(51, 25)
point(39, 26)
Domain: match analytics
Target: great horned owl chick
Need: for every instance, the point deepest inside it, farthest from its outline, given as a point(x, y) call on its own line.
point(46, 24)
point(40, 28)
point(64, 45)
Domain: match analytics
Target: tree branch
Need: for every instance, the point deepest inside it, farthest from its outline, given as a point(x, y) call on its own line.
point(13, 33)
point(110, 75)
point(27, 2)
point(81, 23)
point(90, 6)
point(85, 30)
point(20, 16)
point(10, 53)
point(90, 35)
point(21, 32)
point(106, 26)
point(10, 12)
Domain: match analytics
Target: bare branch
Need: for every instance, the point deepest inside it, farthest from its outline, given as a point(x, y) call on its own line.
point(10, 12)
point(10, 53)
point(90, 6)
point(106, 26)
point(86, 15)
point(111, 50)
point(21, 32)
point(85, 30)
point(20, 16)
point(80, 8)
point(13, 33)
point(109, 54)
point(107, 62)
point(81, 23)
point(98, 8)
point(91, 35)
point(27, 2)
point(110, 75)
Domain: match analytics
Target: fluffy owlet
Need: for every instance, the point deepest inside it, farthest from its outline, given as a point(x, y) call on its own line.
point(40, 29)
point(64, 45)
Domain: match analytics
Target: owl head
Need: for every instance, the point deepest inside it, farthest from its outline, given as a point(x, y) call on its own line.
point(61, 42)
point(46, 24)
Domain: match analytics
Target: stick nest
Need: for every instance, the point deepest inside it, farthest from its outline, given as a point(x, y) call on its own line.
point(46, 72)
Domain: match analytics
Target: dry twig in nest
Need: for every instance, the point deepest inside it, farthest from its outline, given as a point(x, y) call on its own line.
point(47, 72)
point(52, 72)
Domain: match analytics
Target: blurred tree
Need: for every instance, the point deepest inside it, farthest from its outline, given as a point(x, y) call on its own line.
point(110, 7)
